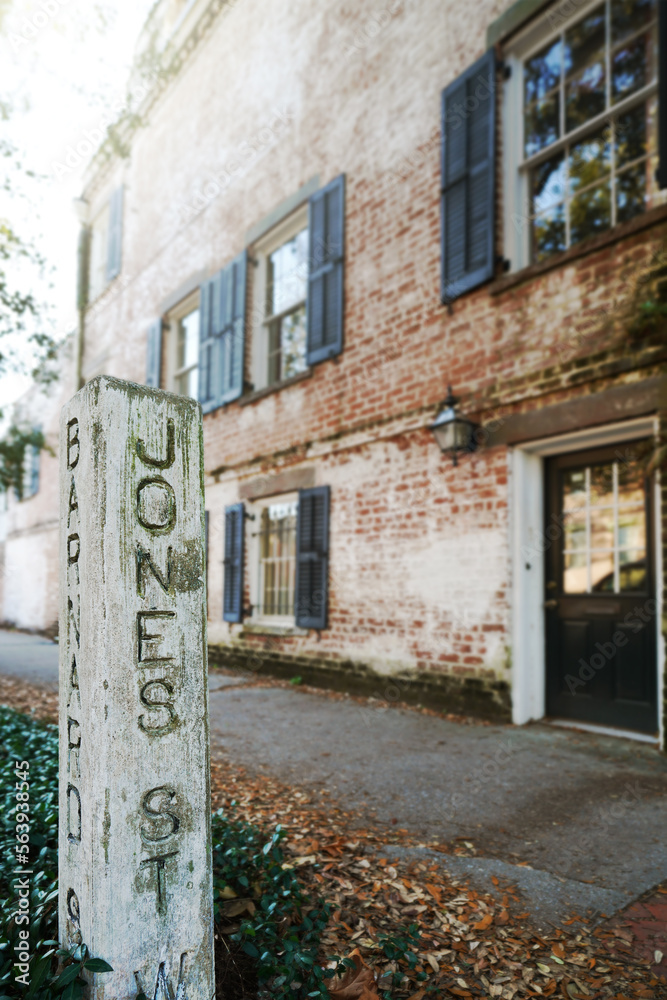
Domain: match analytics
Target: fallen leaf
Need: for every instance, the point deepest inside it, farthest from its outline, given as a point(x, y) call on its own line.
point(357, 983)
point(485, 922)
point(433, 963)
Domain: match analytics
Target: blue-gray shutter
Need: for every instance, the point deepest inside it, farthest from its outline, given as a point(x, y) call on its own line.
point(311, 597)
point(222, 335)
point(154, 354)
point(115, 235)
point(468, 178)
point(661, 172)
point(232, 600)
point(326, 251)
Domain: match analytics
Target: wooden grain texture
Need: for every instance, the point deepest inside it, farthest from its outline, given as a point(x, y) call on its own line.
point(135, 843)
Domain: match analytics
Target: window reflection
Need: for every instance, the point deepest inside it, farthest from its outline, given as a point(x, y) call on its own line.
point(604, 538)
point(607, 177)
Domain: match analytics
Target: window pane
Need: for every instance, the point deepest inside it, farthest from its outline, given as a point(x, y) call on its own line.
point(541, 124)
point(277, 558)
point(630, 483)
point(629, 69)
point(631, 192)
point(575, 577)
point(549, 233)
point(602, 571)
point(632, 570)
point(575, 530)
point(574, 489)
point(188, 340)
point(590, 213)
point(584, 68)
point(548, 183)
point(630, 131)
point(602, 528)
point(590, 160)
point(632, 528)
point(628, 16)
point(602, 484)
point(542, 72)
point(193, 382)
point(274, 352)
point(287, 274)
point(293, 342)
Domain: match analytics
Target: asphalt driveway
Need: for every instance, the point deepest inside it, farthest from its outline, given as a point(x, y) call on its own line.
point(575, 820)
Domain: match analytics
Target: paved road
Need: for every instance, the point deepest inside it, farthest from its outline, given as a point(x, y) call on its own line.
point(31, 657)
point(575, 820)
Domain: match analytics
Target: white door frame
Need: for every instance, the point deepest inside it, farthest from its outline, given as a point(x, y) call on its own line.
point(529, 542)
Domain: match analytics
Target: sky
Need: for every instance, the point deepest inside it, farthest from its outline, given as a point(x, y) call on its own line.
point(64, 64)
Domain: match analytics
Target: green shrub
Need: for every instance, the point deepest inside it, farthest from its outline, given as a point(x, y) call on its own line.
point(281, 931)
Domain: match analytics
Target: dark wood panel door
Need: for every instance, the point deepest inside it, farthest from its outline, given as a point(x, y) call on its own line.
point(600, 590)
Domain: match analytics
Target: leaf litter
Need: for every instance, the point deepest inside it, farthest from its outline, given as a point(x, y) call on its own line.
point(408, 929)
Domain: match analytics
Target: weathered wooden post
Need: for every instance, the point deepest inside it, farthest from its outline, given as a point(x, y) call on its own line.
point(135, 876)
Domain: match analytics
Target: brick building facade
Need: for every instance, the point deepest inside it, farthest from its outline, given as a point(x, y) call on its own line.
point(325, 217)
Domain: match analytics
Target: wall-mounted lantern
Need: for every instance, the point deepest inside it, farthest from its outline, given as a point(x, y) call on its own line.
point(453, 433)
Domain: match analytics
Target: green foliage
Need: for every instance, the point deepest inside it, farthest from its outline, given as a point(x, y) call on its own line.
point(12, 452)
point(281, 935)
point(24, 739)
point(401, 950)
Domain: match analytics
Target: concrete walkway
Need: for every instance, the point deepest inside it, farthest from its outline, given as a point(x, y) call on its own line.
point(575, 820)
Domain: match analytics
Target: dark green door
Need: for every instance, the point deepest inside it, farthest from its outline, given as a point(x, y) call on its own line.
point(600, 590)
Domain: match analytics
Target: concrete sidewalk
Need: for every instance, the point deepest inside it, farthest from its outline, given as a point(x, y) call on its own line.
point(575, 820)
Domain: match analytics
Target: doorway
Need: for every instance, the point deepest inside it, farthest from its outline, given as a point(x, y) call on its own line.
point(600, 602)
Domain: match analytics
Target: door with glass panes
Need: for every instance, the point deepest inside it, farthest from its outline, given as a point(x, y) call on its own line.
point(600, 605)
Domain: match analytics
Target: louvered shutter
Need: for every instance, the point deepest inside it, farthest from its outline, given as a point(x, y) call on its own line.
point(326, 235)
point(233, 585)
point(222, 335)
point(661, 172)
point(311, 596)
point(115, 236)
point(468, 178)
point(154, 354)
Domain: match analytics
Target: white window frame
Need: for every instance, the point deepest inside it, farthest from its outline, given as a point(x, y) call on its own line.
point(516, 194)
point(172, 320)
point(260, 253)
point(254, 552)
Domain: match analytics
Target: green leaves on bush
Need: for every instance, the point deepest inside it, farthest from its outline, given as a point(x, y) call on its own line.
point(283, 933)
point(280, 932)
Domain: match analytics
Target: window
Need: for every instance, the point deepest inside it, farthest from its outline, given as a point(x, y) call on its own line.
point(297, 310)
point(183, 347)
point(105, 245)
point(585, 150)
point(279, 302)
point(605, 529)
point(288, 559)
point(275, 554)
point(298, 289)
point(285, 318)
point(187, 354)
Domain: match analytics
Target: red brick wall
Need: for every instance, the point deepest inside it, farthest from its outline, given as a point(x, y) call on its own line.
point(420, 550)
